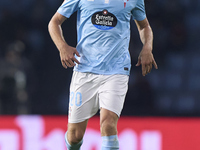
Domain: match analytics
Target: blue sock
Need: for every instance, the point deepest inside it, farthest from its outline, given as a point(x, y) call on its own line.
point(72, 147)
point(110, 143)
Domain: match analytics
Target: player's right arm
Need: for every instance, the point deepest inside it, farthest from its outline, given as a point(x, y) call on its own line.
point(66, 52)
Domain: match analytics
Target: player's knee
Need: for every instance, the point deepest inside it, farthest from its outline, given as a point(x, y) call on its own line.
point(74, 136)
point(108, 126)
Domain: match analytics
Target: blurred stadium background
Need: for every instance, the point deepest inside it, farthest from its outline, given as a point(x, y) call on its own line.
point(33, 81)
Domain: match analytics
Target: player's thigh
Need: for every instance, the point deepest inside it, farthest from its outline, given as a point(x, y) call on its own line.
point(81, 126)
point(83, 97)
point(108, 115)
point(113, 92)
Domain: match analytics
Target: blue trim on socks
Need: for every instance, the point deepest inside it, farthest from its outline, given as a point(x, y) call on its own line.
point(110, 143)
point(72, 147)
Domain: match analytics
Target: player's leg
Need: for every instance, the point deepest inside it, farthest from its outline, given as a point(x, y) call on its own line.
point(82, 106)
point(108, 123)
point(111, 97)
point(74, 135)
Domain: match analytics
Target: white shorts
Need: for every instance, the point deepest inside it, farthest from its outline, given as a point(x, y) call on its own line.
point(89, 92)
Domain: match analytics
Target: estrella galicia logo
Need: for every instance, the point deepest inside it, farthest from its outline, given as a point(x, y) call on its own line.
point(104, 20)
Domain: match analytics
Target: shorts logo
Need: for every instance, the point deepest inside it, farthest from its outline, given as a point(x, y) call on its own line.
point(70, 111)
point(125, 1)
point(104, 20)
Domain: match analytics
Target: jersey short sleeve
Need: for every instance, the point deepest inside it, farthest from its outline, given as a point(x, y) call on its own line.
point(138, 12)
point(68, 7)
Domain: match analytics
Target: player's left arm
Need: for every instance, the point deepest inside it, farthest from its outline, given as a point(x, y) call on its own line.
point(146, 58)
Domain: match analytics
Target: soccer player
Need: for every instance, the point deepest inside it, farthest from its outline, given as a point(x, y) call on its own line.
point(101, 62)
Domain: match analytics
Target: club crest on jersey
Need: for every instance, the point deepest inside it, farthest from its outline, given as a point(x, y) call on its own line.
point(105, 12)
point(104, 20)
point(125, 1)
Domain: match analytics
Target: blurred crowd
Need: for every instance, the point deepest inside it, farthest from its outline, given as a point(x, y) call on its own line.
point(32, 80)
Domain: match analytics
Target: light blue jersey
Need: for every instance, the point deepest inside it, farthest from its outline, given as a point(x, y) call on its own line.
point(103, 28)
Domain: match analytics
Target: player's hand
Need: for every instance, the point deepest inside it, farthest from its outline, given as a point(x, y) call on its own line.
point(67, 56)
point(146, 59)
